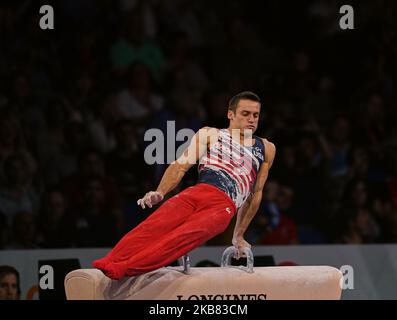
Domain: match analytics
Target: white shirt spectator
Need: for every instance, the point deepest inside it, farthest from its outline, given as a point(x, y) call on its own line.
point(131, 108)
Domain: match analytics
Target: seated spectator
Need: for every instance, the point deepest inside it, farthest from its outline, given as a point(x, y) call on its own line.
point(359, 163)
point(339, 146)
point(51, 221)
point(389, 231)
point(310, 183)
point(10, 287)
point(371, 122)
point(24, 231)
point(283, 229)
point(122, 163)
point(92, 166)
point(16, 194)
point(268, 216)
point(356, 194)
point(285, 233)
point(93, 223)
point(64, 161)
point(138, 102)
point(12, 142)
point(185, 71)
point(135, 47)
point(360, 228)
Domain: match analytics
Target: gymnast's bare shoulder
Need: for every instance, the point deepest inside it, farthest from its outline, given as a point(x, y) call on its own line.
point(270, 151)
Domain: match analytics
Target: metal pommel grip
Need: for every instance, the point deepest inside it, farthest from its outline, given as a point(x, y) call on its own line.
point(231, 251)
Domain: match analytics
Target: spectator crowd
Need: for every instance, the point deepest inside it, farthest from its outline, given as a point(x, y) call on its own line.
point(76, 101)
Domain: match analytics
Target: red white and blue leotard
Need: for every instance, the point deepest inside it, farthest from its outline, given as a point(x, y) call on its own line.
point(232, 167)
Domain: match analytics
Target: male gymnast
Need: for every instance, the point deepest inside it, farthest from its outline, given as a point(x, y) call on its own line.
point(233, 166)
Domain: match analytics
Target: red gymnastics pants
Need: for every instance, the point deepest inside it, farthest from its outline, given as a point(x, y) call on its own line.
point(182, 223)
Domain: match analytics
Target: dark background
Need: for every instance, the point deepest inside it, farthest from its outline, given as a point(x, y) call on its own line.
point(75, 103)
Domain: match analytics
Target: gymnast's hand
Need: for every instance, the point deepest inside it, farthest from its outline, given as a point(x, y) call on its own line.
point(239, 243)
point(150, 199)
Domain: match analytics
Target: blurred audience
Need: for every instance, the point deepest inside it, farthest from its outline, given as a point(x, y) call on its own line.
point(75, 104)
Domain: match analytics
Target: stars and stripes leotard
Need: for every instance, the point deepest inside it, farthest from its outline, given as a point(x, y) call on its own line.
point(232, 167)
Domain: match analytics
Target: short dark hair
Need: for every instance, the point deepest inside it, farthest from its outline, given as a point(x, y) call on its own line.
point(245, 95)
point(5, 270)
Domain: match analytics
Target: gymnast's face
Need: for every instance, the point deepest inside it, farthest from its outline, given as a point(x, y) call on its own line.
point(246, 116)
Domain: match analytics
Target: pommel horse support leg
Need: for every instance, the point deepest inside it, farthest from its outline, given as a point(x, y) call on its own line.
point(224, 283)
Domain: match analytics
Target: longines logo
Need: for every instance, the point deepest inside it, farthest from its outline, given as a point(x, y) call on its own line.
point(223, 297)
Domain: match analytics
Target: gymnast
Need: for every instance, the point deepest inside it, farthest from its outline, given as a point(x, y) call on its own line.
point(233, 167)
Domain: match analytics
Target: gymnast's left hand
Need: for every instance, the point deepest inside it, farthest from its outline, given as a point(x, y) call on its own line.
point(150, 199)
point(239, 243)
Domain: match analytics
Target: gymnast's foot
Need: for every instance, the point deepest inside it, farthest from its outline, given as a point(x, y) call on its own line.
point(100, 263)
point(114, 271)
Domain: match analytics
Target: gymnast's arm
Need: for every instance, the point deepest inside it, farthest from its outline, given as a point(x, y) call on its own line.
point(177, 169)
point(250, 207)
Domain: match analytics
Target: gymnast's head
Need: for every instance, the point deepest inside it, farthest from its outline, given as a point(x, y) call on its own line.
point(243, 111)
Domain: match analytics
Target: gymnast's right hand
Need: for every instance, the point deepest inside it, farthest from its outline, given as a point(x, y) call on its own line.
point(150, 199)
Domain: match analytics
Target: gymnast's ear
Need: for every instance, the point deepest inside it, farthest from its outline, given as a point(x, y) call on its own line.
point(230, 114)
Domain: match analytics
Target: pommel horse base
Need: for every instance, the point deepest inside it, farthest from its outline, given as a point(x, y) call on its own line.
point(222, 283)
